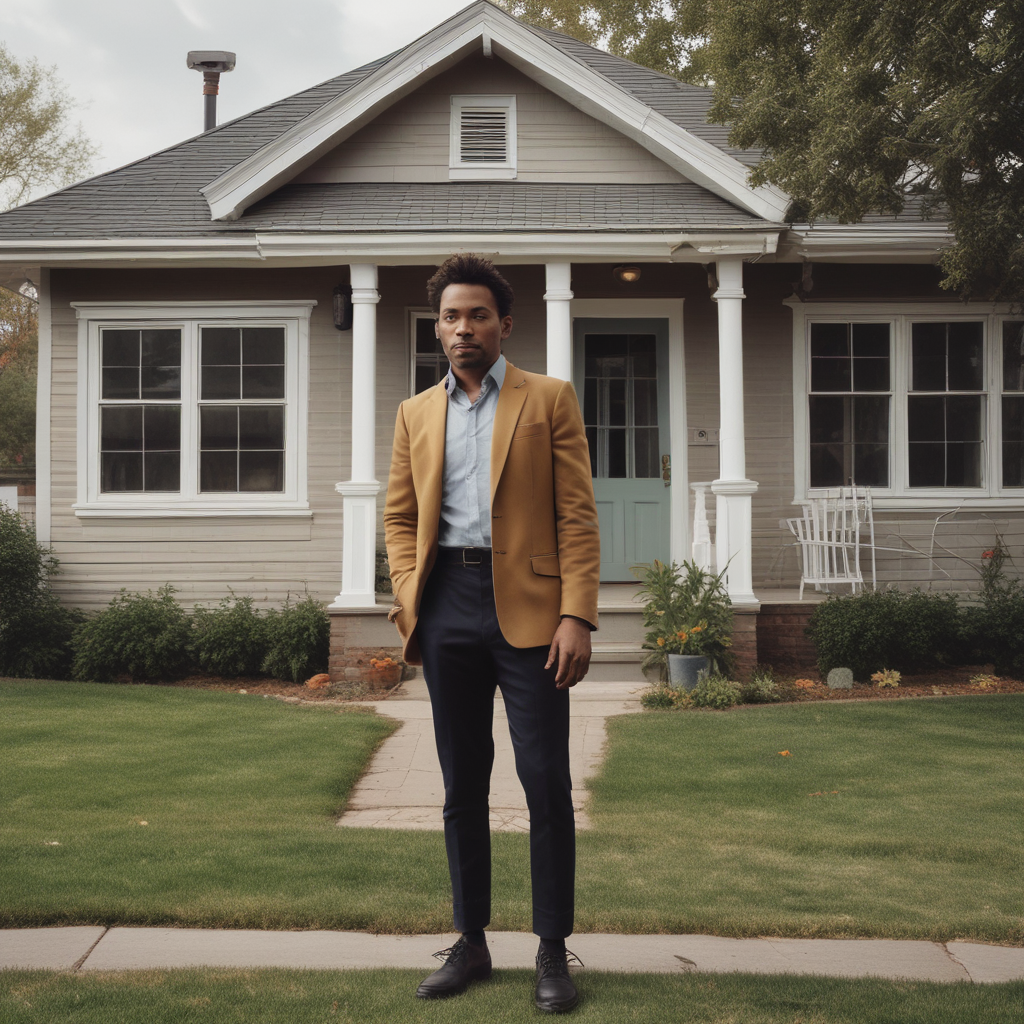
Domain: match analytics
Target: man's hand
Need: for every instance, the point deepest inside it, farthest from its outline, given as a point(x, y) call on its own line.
point(570, 649)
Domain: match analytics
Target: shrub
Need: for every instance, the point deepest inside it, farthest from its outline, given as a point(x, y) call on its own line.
point(298, 640)
point(229, 640)
point(382, 574)
point(762, 688)
point(665, 698)
point(906, 632)
point(35, 628)
point(715, 691)
point(138, 636)
point(994, 631)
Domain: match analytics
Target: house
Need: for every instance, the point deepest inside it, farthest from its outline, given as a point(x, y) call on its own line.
point(227, 328)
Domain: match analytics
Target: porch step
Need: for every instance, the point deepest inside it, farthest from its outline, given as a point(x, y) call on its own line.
point(615, 662)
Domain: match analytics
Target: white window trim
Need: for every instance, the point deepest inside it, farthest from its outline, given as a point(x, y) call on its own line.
point(900, 315)
point(190, 317)
point(458, 170)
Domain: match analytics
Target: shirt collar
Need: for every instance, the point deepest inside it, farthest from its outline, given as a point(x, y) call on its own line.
point(496, 373)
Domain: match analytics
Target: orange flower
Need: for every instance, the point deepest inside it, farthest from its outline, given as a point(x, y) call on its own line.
point(785, 753)
point(661, 641)
point(697, 629)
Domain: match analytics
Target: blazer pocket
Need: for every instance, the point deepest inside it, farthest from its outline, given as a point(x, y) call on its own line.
point(528, 430)
point(545, 565)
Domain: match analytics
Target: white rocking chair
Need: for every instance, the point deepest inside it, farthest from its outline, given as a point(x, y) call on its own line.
point(829, 536)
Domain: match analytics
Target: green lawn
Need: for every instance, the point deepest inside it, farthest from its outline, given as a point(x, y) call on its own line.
point(699, 824)
point(386, 997)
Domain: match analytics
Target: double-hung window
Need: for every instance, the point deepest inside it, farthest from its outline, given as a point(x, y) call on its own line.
point(193, 409)
point(920, 402)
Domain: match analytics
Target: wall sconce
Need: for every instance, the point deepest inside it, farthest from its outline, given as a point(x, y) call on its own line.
point(343, 307)
point(627, 275)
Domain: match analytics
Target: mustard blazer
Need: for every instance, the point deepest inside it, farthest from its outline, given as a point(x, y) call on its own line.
point(544, 533)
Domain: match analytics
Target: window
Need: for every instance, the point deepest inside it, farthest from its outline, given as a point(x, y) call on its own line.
point(193, 408)
point(483, 137)
point(429, 363)
point(907, 400)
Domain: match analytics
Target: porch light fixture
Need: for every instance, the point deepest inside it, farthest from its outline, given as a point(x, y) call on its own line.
point(627, 275)
point(343, 307)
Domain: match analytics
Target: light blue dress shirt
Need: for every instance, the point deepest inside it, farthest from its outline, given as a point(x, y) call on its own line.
point(466, 493)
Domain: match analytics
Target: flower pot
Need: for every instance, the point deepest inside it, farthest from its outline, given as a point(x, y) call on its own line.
point(683, 669)
point(383, 677)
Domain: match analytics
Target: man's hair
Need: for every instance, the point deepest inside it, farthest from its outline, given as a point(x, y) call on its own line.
point(468, 268)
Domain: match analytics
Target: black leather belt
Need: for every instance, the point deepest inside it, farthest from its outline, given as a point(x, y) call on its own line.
point(464, 556)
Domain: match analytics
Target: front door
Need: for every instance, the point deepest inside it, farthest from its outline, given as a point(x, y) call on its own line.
point(621, 369)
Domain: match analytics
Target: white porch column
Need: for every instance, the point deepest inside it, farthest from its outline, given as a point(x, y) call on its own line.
point(359, 525)
point(733, 539)
point(558, 297)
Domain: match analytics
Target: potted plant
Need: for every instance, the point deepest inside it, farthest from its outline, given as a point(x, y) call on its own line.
point(687, 618)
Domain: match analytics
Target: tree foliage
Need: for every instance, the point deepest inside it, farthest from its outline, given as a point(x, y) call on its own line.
point(19, 351)
point(858, 106)
point(39, 146)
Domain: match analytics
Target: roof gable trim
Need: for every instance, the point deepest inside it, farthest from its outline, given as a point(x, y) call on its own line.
point(481, 24)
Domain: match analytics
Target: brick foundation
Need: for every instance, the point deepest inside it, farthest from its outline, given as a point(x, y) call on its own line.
point(352, 647)
point(782, 641)
point(744, 643)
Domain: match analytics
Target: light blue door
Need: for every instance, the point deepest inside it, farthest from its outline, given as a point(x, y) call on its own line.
point(620, 369)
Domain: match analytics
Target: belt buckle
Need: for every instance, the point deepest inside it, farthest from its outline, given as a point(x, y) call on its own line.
point(479, 559)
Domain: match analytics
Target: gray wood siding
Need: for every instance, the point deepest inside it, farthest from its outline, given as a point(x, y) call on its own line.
point(556, 142)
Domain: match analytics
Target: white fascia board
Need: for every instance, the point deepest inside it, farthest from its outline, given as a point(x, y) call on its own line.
point(258, 175)
point(67, 250)
point(875, 241)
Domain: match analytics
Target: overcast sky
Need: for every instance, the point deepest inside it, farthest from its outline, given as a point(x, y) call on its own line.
point(124, 60)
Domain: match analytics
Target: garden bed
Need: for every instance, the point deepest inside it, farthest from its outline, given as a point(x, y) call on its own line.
point(934, 683)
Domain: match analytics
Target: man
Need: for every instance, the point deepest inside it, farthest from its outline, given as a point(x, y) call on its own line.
point(493, 542)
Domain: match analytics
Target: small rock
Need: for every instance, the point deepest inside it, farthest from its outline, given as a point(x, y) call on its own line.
point(840, 679)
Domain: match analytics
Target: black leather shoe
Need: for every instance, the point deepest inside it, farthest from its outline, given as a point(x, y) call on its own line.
point(463, 963)
point(555, 991)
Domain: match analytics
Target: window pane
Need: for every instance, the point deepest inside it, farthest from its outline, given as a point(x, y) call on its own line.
point(1013, 355)
point(121, 382)
point(871, 375)
point(121, 429)
point(926, 418)
point(121, 471)
point(647, 458)
point(870, 419)
point(162, 428)
point(1013, 441)
point(161, 382)
point(928, 357)
point(828, 416)
point(616, 453)
point(645, 403)
point(643, 355)
point(590, 400)
point(830, 375)
point(218, 471)
point(162, 471)
point(870, 341)
point(262, 345)
point(617, 403)
point(222, 346)
point(965, 357)
point(120, 348)
point(605, 355)
point(161, 347)
point(426, 341)
point(963, 418)
point(592, 444)
point(827, 465)
point(927, 465)
point(262, 382)
point(1013, 418)
point(426, 377)
point(221, 382)
point(218, 427)
point(963, 465)
point(830, 341)
point(871, 465)
point(261, 471)
point(261, 426)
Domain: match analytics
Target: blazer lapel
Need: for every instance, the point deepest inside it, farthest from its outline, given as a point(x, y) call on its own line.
point(510, 404)
point(427, 456)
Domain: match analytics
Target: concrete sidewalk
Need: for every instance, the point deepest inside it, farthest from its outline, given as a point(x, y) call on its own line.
point(116, 949)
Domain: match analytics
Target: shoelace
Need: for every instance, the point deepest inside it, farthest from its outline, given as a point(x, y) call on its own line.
point(453, 954)
point(552, 961)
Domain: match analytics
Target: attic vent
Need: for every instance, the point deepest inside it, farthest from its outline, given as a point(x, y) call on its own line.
point(483, 137)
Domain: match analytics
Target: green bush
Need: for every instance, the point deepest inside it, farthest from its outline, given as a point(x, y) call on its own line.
point(229, 640)
point(715, 691)
point(298, 640)
point(994, 630)
point(762, 688)
point(138, 636)
point(908, 632)
point(35, 628)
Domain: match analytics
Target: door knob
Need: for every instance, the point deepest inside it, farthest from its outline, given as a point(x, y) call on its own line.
point(666, 469)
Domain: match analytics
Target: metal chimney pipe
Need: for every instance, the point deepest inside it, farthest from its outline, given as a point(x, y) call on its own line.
point(212, 63)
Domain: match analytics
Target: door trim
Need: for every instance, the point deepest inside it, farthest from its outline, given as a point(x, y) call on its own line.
point(672, 311)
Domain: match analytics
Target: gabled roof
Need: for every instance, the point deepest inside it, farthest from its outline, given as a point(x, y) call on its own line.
point(575, 74)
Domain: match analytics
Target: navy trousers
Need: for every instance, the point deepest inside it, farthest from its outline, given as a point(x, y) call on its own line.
point(465, 657)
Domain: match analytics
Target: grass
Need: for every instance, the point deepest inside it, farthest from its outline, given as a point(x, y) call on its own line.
point(386, 996)
point(699, 824)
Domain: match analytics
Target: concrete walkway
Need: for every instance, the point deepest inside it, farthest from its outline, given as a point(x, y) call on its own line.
point(402, 787)
point(117, 949)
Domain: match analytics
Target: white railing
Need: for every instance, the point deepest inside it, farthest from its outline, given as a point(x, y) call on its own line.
point(702, 548)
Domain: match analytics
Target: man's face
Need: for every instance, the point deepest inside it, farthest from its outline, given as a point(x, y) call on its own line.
point(469, 327)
